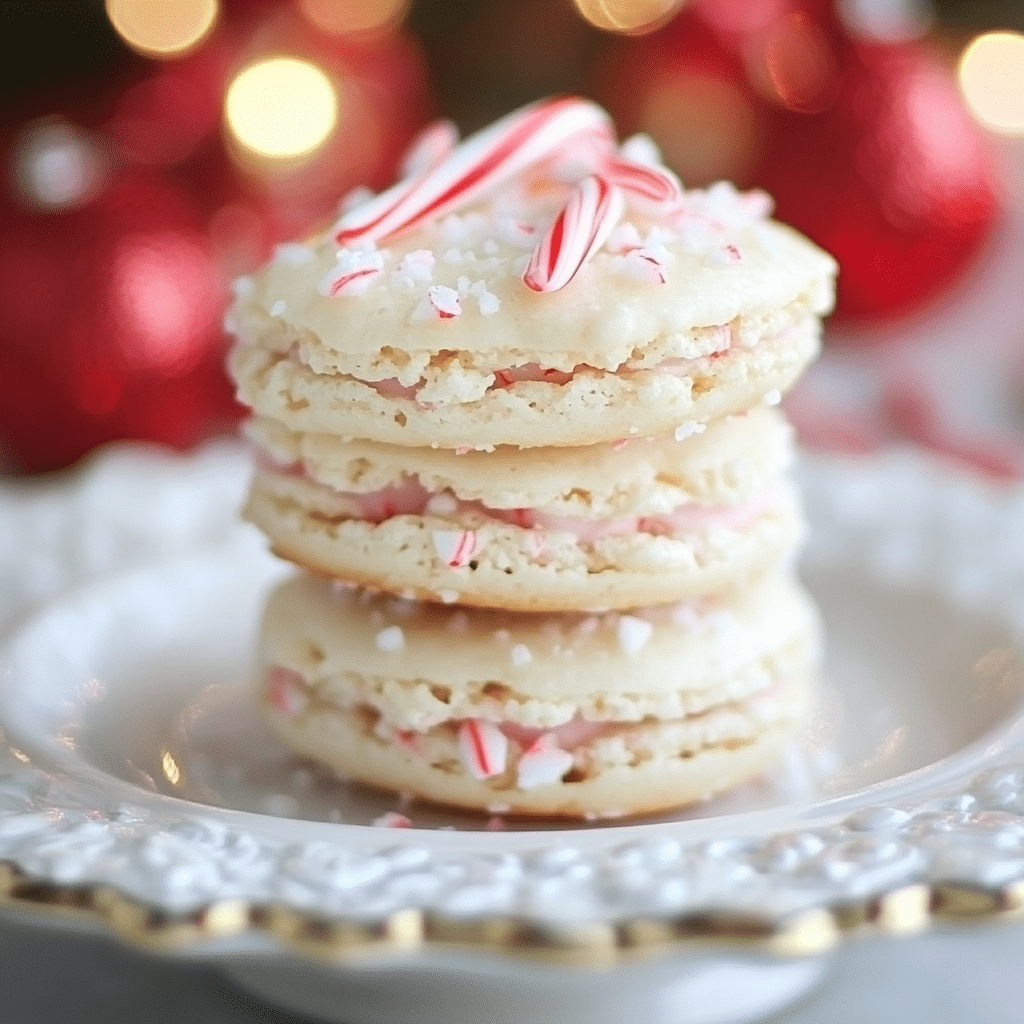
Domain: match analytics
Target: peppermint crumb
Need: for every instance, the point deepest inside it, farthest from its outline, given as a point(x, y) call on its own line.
point(448, 596)
point(773, 397)
point(391, 639)
point(502, 636)
point(491, 247)
point(685, 430)
point(294, 254)
point(521, 655)
point(441, 505)
point(407, 594)
point(633, 633)
point(230, 326)
point(391, 819)
point(453, 255)
point(489, 303)
point(242, 286)
point(458, 623)
point(278, 307)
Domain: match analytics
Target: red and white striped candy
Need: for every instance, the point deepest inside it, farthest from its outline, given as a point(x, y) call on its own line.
point(577, 233)
point(542, 763)
point(429, 148)
point(484, 160)
point(652, 191)
point(456, 547)
point(353, 274)
point(425, 154)
point(484, 748)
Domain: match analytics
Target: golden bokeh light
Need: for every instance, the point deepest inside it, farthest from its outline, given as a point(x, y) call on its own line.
point(992, 81)
point(281, 107)
point(354, 17)
point(631, 17)
point(162, 28)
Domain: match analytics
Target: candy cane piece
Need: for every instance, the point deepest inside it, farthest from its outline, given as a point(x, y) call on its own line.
point(652, 191)
point(456, 547)
point(429, 148)
point(594, 208)
point(484, 160)
point(425, 154)
point(542, 763)
point(353, 274)
point(484, 748)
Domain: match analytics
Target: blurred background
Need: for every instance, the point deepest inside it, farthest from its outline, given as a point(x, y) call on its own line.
point(152, 150)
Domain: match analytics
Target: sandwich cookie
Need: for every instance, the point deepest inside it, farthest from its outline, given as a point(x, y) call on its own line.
point(572, 715)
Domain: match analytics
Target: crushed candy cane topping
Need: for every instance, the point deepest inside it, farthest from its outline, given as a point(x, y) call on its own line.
point(542, 764)
point(558, 157)
point(484, 748)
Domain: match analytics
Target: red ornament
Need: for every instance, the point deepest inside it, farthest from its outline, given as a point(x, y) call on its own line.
point(864, 143)
point(112, 304)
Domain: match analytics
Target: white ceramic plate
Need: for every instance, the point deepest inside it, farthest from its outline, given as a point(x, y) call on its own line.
point(137, 784)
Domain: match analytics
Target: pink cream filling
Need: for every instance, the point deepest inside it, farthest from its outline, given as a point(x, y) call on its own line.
point(412, 498)
point(390, 387)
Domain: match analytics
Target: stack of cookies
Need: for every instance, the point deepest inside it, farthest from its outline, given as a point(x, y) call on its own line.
point(515, 420)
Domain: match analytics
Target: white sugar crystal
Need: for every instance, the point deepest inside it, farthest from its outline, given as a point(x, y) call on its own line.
point(242, 287)
point(491, 247)
point(391, 639)
point(416, 266)
point(278, 307)
point(230, 325)
point(521, 655)
point(294, 254)
point(448, 596)
point(685, 430)
point(633, 633)
point(773, 397)
point(489, 303)
point(453, 255)
point(445, 300)
point(502, 636)
point(462, 286)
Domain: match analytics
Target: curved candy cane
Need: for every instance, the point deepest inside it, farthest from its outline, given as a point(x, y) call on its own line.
point(577, 233)
point(481, 162)
point(430, 148)
point(653, 191)
point(427, 151)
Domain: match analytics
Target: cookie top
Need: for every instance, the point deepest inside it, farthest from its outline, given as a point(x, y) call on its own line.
point(654, 277)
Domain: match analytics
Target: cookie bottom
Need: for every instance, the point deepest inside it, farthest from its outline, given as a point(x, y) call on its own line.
point(639, 768)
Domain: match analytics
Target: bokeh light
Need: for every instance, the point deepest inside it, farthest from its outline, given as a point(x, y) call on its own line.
point(630, 17)
point(704, 124)
point(354, 17)
point(162, 28)
point(992, 81)
point(797, 69)
point(281, 107)
point(57, 166)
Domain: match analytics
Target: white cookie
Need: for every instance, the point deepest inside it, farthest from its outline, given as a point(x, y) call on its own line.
point(566, 715)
